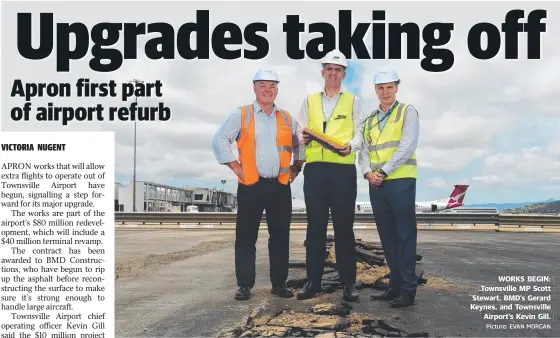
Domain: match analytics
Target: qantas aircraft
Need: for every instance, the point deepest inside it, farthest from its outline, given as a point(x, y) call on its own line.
point(455, 200)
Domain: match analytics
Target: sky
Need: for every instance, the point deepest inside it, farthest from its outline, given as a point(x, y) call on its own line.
point(493, 124)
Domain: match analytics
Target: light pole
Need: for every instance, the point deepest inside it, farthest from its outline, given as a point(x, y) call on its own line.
point(224, 198)
point(215, 199)
point(135, 81)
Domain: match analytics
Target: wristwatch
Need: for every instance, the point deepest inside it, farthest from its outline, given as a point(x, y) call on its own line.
point(382, 172)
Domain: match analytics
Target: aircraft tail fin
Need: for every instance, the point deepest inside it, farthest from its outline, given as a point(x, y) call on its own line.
point(458, 194)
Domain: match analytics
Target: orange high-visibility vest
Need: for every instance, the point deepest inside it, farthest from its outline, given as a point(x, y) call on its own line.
point(247, 146)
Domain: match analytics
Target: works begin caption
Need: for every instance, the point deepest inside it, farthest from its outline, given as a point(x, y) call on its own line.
point(522, 303)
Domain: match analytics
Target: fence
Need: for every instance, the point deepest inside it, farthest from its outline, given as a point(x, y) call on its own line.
point(367, 218)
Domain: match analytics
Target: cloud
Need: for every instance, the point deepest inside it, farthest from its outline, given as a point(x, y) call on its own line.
point(449, 160)
point(437, 182)
point(529, 166)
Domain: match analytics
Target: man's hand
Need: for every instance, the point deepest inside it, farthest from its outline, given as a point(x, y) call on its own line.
point(294, 172)
point(235, 166)
point(378, 178)
point(374, 178)
point(306, 138)
point(239, 172)
point(346, 151)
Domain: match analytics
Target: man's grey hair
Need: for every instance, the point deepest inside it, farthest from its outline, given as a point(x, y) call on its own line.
point(324, 65)
point(255, 81)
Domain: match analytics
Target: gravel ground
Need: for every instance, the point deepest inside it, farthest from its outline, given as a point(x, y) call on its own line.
point(180, 283)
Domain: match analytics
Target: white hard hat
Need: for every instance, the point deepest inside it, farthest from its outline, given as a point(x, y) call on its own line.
point(266, 75)
point(335, 57)
point(385, 76)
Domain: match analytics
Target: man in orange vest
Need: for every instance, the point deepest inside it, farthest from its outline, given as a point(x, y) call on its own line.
point(267, 138)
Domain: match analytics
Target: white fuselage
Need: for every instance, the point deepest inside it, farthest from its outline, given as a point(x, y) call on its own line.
point(431, 206)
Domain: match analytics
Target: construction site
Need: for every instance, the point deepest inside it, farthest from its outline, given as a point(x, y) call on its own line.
point(181, 283)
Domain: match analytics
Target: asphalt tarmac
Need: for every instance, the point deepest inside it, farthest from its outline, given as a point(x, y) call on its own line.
point(181, 283)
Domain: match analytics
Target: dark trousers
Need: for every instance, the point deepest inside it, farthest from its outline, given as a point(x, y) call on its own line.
point(394, 210)
point(330, 185)
point(276, 199)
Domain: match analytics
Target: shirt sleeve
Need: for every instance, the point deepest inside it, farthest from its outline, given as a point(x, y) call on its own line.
point(358, 119)
point(363, 158)
point(303, 121)
point(225, 136)
point(408, 143)
point(298, 145)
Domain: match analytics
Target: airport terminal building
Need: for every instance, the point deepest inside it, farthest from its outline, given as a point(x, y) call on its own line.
point(156, 197)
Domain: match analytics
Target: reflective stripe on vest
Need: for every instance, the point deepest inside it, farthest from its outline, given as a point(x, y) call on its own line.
point(246, 145)
point(340, 126)
point(383, 144)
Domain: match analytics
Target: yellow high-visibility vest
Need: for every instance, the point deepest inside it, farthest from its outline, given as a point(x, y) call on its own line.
point(383, 144)
point(340, 126)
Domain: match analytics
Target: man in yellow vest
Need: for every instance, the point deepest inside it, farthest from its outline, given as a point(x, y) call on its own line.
point(267, 139)
point(388, 161)
point(330, 178)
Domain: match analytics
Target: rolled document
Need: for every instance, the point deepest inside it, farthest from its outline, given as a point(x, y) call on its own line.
point(325, 140)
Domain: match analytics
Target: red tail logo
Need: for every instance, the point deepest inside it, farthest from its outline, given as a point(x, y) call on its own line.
point(457, 196)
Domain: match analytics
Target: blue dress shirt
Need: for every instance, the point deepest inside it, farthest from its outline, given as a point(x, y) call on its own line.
point(268, 159)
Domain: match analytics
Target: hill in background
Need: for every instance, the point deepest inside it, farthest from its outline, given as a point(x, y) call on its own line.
point(552, 207)
point(513, 205)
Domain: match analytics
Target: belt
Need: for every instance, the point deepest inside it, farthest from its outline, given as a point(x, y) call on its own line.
point(268, 179)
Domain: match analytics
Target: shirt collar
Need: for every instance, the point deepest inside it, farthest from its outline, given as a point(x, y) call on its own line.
point(341, 90)
point(385, 112)
point(258, 109)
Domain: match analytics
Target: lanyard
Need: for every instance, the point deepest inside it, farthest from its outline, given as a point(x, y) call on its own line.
point(384, 117)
